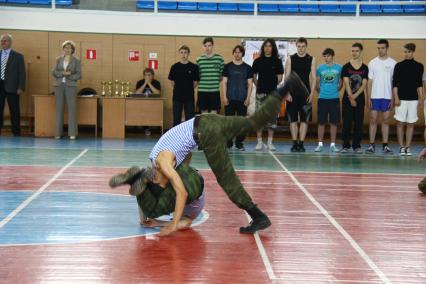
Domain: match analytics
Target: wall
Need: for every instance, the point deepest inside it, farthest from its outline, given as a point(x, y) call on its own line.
point(41, 48)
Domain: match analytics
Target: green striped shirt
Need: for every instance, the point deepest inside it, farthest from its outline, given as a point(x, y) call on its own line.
point(210, 69)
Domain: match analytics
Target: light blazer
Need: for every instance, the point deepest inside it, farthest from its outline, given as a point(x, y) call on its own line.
point(15, 72)
point(74, 67)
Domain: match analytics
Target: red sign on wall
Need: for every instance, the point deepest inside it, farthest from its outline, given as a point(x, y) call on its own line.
point(153, 63)
point(133, 55)
point(91, 54)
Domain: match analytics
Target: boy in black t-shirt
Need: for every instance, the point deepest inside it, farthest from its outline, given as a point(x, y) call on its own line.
point(184, 77)
point(268, 72)
point(355, 77)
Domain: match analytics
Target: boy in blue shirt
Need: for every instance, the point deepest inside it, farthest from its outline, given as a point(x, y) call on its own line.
point(328, 86)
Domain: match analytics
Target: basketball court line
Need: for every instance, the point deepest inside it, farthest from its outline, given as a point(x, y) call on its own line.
point(27, 201)
point(333, 221)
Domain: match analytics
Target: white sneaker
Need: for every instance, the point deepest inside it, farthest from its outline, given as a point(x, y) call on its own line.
point(402, 151)
point(271, 147)
point(318, 148)
point(333, 149)
point(72, 137)
point(408, 151)
point(259, 146)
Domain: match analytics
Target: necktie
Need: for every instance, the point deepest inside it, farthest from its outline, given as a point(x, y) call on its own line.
point(3, 64)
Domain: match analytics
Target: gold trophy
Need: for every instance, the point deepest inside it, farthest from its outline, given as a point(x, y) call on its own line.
point(109, 88)
point(127, 88)
point(116, 82)
point(122, 88)
point(103, 83)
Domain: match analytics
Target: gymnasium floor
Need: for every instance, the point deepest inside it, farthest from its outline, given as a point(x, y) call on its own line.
point(336, 219)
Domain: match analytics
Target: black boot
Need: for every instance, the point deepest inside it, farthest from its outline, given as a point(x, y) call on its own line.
point(127, 177)
point(294, 86)
point(259, 221)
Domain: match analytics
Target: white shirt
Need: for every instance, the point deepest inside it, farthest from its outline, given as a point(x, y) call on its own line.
point(381, 72)
point(65, 68)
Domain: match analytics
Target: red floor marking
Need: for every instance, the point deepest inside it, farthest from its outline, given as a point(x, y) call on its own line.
point(25, 177)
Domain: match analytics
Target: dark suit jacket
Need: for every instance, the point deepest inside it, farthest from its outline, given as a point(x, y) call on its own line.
point(15, 72)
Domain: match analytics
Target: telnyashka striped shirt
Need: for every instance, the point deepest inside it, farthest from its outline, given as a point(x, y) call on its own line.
point(179, 140)
point(210, 69)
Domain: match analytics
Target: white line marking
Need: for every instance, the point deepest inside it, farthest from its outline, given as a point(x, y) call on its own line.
point(333, 221)
point(263, 254)
point(39, 191)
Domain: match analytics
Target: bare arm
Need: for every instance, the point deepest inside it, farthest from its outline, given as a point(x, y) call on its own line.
point(255, 79)
point(225, 90)
point(141, 88)
point(313, 75)
point(361, 89)
point(249, 90)
point(317, 86)
point(172, 83)
point(279, 78)
point(154, 90)
point(287, 67)
point(165, 162)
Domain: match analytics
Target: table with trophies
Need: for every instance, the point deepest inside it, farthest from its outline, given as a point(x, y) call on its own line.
point(120, 108)
point(45, 114)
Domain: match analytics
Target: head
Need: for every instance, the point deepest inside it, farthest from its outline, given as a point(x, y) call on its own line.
point(68, 47)
point(301, 45)
point(409, 50)
point(269, 48)
point(382, 47)
point(184, 52)
point(6, 41)
point(328, 55)
point(208, 45)
point(238, 52)
point(148, 74)
point(356, 50)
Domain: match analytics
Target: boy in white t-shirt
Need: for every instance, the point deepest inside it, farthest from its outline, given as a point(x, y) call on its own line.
point(380, 100)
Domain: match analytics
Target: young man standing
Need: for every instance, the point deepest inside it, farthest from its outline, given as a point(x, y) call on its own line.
point(268, 72)
point(237, 85)
point(184, 78)
point(407, 91)
point(355, 77)
point(328, 86)
point(210, 66)
point(300, 108)
point(380, 100)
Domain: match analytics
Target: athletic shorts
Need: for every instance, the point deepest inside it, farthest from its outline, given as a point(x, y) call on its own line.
point(406, 112)
point(193, 209)
point(328, 111)
point(260, 98)
point(298, 111)
point(208, 101)
point(382, 105)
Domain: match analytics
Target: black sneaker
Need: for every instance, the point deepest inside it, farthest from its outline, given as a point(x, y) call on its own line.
point(295, 148)
point(301, 148)
point(371, 149)
point(387, 150)
point(344, 150)
point(257, 224)
point(240, 147)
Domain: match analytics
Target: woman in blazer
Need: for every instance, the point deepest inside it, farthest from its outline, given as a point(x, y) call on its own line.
point(66, 72)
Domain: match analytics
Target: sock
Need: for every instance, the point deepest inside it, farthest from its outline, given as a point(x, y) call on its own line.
point(332, 144)
point(269, 140)
point(320, 144)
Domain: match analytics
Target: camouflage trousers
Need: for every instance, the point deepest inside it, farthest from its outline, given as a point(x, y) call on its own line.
point(213, 133)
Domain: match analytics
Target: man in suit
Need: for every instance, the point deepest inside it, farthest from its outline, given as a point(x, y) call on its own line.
point(12, 81)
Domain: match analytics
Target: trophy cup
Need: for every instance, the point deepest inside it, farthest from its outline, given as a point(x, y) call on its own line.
point(116, 82)
point(103, 83)
point(109, 88)
point(127, 88)
point(122, 88)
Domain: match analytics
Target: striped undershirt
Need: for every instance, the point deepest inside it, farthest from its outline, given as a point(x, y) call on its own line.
point(210, 69)
point(179, 140)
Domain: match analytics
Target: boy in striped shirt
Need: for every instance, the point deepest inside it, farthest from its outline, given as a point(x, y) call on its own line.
point(210, 66)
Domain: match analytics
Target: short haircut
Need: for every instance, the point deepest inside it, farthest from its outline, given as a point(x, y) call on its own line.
point(69, 43)
point(240, 49)
point(185, 47)
point(302, 40)
point(410, 46)
point(148, 70)
point(328, 51)
point(208, 39)
point(383, 41)
point(8, 36)
point(357, 44)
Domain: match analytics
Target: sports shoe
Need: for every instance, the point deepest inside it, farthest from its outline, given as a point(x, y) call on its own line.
point(371, 149)
point(124, 178)
point(333, 149)
point(295, 148)
point(408, 151)
point(387, 150)
point(318, 148)
point(344, 150)
point(271, 147)
point(72, 137)
point(301, 148)
point(259, 146)
point(240, 147)
point(401, 151)
point(358, 151)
